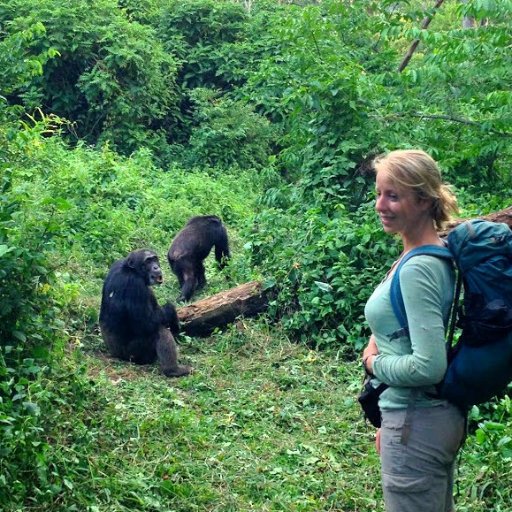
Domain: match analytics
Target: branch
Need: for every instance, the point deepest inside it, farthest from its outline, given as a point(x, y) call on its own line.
point(424, 24)
point(504, 216)
point(451, 119)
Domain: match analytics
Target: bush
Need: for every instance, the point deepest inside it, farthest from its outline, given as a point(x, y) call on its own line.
point(112, 77)
point(324, 272)
point(31, 328)
point(227, 133)
point(208, 37)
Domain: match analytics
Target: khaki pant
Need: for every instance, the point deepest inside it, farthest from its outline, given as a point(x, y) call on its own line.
point(418, 451)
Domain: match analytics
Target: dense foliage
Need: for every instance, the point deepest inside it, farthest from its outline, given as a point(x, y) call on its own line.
point(343, 103)
point(121, 119)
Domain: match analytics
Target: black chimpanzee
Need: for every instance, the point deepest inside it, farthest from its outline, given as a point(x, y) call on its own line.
point(191, 246)
point(133, 325)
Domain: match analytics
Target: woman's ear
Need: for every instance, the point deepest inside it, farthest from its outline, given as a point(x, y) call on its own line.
point(426, 203)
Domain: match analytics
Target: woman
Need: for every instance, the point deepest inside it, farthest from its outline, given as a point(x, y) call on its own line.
point(420, 434)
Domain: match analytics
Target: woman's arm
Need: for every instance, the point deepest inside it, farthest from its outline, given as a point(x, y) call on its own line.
point(421, 281)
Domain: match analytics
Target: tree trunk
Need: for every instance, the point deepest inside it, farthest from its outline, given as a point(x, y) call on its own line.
point(501, 216)
point(203, 316)
point(467, 21)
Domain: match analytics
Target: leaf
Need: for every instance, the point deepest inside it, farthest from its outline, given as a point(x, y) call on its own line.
point(4, 249)
point(32, 408)
point(326, 287)
point(19, 336)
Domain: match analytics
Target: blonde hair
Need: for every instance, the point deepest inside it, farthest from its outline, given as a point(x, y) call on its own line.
point(415, 169)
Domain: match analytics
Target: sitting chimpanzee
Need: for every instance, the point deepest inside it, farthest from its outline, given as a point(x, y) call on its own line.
point(133, 325)
point(191, 246)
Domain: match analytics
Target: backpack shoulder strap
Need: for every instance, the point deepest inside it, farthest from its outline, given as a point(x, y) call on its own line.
point(397, 301)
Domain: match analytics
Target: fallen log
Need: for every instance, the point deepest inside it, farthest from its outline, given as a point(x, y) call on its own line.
point(203, 316)
point(501, 216)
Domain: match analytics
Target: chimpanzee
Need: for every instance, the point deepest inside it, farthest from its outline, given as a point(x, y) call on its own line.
point(133, 325)
point(191, 246)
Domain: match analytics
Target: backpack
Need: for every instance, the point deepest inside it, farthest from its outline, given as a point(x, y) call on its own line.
point(480, 363)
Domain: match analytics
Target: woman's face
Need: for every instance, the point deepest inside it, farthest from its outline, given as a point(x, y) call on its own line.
point(399, 208)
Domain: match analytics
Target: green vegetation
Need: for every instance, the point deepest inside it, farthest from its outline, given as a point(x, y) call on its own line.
point(121, 119)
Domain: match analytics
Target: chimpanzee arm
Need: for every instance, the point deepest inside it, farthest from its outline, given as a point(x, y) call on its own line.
point(170, 318)
point(222, 247)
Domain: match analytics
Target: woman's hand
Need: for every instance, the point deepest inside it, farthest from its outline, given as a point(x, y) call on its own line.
point(372, 344)
point(370, 350)
point(377, 441)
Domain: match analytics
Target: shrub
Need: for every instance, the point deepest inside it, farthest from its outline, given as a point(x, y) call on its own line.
point(227, 133)
point(112, 77)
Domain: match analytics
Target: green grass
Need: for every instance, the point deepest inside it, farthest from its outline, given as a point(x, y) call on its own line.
point(262, 424)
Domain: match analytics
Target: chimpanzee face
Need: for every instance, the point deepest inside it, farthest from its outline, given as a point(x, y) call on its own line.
point(145, 263)
point(152, 269)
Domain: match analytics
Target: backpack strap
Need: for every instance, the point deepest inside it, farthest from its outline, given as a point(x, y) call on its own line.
point(397, 301)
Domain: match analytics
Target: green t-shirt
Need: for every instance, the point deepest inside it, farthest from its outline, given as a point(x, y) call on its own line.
point(417, 362)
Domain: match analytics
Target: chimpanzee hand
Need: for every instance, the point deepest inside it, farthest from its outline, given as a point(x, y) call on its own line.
point(170, 318)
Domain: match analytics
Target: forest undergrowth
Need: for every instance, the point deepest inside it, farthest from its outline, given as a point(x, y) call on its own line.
point(262, 424)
